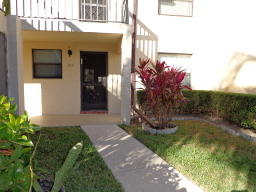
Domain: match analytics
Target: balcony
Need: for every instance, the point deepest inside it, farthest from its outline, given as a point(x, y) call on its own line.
point(76, 10)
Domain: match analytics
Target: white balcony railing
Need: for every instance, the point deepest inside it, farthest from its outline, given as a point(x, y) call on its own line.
point(83, 10)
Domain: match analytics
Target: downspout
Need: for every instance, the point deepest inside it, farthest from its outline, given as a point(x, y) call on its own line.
point(134, 34)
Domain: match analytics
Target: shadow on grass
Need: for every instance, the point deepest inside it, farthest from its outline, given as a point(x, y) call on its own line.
point(137, 164)
point(214, 159)
point(90, 172)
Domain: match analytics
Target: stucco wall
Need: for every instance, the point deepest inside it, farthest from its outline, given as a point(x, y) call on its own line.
point(62, 96)
point(220, 35)
point(225, 45)
point(119, 58)
point(11, 27)
point(15, 61)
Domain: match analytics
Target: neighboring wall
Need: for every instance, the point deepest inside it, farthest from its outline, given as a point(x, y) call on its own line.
point(225, 45)
point(11, 66)
point(220, 35)
point(3, 64)
point(15, 61)
point(62, 96)
point(159, 33)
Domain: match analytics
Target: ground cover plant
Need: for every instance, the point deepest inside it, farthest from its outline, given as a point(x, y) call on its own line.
point(90, 173)
point(206, 154)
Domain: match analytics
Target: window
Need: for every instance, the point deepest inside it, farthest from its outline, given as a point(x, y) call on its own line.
point(93, 10)
point(47, 63)
point(175, 7)
point(178, 60)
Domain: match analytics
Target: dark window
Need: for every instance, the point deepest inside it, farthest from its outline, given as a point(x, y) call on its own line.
point(175, 7)
point(47, 63)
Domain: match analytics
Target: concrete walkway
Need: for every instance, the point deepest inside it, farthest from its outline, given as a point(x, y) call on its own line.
point(133, 164)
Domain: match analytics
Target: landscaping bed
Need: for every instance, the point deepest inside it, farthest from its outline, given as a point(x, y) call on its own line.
point(212, 158)
point(237, 108)
point(90, 173)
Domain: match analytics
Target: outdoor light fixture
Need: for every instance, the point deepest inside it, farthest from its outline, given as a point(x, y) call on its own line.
point(69, 52)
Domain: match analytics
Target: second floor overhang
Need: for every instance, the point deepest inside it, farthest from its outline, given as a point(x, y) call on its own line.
point(106, 16)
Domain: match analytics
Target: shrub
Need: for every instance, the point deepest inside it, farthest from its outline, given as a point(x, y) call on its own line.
point(15, 148)
point(162, 85)
point(237, 108)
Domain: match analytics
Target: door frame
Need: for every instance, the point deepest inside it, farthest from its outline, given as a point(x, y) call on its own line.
point(81, 73)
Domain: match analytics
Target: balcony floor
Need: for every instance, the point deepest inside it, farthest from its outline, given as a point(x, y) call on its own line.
point(75, 120)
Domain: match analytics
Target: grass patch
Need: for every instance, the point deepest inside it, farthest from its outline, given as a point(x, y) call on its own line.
point(213, 159)
point(91, 175)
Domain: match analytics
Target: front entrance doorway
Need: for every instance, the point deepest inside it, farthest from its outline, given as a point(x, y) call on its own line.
point(93, 81)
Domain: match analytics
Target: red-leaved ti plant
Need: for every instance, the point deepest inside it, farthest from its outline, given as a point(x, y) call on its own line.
point(163, 87)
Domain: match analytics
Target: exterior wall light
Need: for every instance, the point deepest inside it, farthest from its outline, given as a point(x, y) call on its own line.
point(69, 52)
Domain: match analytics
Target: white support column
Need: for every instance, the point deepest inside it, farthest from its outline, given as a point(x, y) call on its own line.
point(15, 61)
point(126, 77)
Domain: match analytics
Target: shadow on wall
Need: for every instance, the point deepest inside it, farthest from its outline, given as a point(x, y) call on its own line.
point(71, 26)
point(50, 25)
point(38, 103)
point(240, 74)
point(114, 85)
point(114, 93)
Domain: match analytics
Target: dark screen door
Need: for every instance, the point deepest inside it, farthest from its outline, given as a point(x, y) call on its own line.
point(93, 81)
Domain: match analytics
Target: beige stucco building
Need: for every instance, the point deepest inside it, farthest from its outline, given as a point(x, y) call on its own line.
point(76, 56)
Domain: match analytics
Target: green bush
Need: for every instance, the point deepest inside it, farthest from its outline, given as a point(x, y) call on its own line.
point(15, 148)
point(235, 107)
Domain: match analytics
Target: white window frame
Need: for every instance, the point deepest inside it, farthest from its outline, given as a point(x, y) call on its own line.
point(173, 64)
point(181, 15)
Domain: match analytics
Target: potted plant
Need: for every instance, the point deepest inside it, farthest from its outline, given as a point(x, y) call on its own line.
point(163, 87)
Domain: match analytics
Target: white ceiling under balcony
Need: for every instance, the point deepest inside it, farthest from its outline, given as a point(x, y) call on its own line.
point(81, 37)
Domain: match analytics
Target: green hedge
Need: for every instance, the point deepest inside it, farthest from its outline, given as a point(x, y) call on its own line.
point(235, 107)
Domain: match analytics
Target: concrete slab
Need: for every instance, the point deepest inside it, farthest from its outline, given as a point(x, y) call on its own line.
point(133, 164)
point(75, 120)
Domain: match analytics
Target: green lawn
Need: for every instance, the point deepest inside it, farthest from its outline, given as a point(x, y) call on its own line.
point(215, 160)
point(92, 175)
